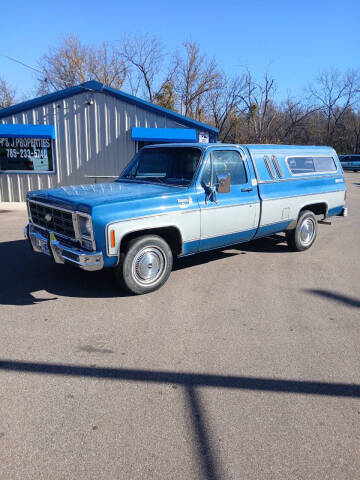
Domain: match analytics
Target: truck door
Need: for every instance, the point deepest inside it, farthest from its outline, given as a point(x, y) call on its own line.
point(227, 218)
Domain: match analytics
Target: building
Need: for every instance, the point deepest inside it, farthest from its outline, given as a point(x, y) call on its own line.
point(82, 134)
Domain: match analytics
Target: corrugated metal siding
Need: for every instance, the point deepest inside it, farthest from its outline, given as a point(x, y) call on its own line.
point(90, 140)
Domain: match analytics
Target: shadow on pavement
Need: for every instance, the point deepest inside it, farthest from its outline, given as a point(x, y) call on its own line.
point(207, 455)
point(24, 272)
point(202, 258)
point(336, 297)
point(187, 379)
point(211, 467)
point(273, 244)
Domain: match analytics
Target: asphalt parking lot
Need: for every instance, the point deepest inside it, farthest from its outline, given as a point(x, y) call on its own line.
point(245, 365)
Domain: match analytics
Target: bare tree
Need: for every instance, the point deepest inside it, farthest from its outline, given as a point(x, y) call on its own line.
point(7, 94)
point(260, 110)
point(242, 108)
point(72, 63)
point(144, 56)
point(335, 94)
point(352, 144)
point(105, 64)
point(294, 120)
point(64, 66)
point(166, 96)
point(224, 104)
point(195, 76)
point(347, 136)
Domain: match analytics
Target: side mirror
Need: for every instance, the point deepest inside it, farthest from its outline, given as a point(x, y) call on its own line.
point(223, 182)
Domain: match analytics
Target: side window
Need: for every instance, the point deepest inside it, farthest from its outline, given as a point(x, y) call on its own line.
point(225, 161)
point(277, 166)
point(269, 167)
point(324, 164)
point(301, 165)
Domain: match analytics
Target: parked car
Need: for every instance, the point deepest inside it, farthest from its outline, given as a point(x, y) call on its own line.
point(350, 162)
point(181, 199)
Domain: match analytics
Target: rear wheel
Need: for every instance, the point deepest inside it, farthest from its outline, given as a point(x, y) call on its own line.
point(145, 265)
point(304, 234)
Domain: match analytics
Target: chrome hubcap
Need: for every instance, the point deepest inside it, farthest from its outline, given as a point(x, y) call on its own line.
point(307, 231)
point(149, 265)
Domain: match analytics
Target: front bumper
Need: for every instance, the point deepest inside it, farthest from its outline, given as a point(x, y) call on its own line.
point(62, 253)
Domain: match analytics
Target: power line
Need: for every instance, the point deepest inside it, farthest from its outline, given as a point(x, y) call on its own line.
point(46, 79)
point(21, 63)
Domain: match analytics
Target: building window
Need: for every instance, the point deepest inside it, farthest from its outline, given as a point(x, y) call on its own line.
point(28, 155)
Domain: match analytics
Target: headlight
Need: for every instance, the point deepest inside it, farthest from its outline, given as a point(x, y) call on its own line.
point(84, 226)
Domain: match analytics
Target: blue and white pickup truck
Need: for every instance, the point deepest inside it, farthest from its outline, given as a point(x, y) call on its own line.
point(181, 199)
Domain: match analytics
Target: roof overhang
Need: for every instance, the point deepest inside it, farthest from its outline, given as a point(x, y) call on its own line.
point(177, 135)
point(8, 130)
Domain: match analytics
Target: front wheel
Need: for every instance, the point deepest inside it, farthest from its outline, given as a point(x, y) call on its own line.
point(304, 234)
point(145, 265)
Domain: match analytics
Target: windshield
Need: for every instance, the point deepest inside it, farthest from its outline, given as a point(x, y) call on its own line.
point(173, 166)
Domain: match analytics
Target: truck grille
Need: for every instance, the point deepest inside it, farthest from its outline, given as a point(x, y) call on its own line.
point(58, 221)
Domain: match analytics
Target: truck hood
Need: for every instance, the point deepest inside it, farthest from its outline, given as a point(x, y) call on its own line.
point(85, 197)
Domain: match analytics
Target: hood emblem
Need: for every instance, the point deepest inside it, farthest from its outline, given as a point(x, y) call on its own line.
point(48, 217)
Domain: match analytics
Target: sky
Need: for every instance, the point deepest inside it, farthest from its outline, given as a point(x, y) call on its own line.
point(295, 40)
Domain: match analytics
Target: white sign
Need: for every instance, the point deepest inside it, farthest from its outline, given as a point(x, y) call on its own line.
point(203, 137)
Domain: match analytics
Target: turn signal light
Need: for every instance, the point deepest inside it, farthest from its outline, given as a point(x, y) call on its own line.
point(112, 238)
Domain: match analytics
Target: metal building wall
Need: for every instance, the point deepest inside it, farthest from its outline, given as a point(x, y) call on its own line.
point(93, 137)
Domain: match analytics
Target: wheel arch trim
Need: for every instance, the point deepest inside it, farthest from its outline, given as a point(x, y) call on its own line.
point(142, 229)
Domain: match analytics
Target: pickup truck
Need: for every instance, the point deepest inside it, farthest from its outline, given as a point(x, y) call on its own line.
point(174, 200)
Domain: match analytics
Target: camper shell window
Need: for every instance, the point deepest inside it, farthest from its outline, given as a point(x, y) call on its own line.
point(311, 165)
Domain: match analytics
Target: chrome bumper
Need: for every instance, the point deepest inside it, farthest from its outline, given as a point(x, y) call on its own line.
point(63, 253)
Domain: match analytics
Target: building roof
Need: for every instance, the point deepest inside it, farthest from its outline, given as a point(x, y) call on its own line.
point(94, 86)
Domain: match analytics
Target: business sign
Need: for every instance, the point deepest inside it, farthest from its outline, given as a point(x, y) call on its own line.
point(26, 154)
point(203, 137)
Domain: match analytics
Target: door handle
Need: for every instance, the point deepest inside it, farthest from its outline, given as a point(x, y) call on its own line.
point(247, 189)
